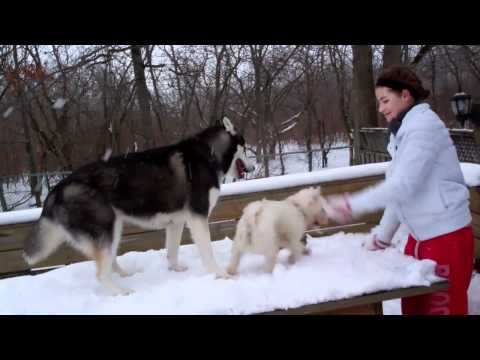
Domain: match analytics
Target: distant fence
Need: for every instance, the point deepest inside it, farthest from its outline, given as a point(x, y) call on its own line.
point(373, 145)
point(16, 192)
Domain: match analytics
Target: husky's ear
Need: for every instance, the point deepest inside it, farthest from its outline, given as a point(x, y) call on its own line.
point(229, 126)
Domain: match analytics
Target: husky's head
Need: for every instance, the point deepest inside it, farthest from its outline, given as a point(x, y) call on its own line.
point(230, 149)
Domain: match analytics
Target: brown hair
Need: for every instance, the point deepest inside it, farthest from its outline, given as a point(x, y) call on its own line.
point(400, 77)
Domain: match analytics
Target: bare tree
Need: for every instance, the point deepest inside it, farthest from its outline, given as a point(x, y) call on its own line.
point(147, 138)
point(271, 87)
point(392, 55)
point(432, 64)
point(338, 61)
point(312, 59)
point(364, 94)
point(453, 65)
point(19, 88)
point(158, 105)
point(185, 70)
point(422, 52)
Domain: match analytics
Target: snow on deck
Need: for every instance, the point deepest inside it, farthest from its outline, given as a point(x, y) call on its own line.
point(338, 268)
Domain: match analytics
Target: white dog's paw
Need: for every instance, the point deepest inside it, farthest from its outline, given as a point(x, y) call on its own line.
point(121, 291)
point(125, 291)
point(222, 274)
point(291, 259)
point(307, 251)
point(231, 270)
point(120, 271)
point(178, 268)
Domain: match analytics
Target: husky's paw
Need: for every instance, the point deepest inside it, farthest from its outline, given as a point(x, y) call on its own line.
point(124, 273)
point(178, 268)
point(231, 271)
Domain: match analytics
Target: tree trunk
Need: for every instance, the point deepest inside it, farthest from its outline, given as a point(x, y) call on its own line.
point(364, 112)
point(343, 100)
point(3, 202)
point(143, 97)
point(308, 139)
point(266, 149)
point(35, 190)
point(258, 104)
point(392, 55)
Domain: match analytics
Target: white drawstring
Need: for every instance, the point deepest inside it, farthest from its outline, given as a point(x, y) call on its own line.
point(416, 249)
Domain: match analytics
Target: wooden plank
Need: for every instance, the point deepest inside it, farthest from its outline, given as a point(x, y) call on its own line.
point(11, 236)
point(348, 305)
point(475, 199)
point(12, 260)
point(352, 228)
point(231, 207)
point(476, 233)
point(228, 208)
point(367, 309)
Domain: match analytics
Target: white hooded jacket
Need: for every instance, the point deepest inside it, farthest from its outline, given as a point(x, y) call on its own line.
point(424, 187)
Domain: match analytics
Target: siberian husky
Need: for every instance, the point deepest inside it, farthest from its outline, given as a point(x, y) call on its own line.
point(165, 187)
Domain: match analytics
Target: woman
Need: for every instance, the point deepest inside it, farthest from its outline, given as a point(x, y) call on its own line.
point(424, 189)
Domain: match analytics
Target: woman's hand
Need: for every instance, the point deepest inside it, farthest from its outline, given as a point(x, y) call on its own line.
point(338, 208)
point(374, 243)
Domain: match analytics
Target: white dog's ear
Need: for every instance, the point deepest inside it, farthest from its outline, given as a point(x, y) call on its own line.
point(229, 126)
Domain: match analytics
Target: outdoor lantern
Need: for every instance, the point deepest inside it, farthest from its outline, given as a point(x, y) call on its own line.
point(461, 106)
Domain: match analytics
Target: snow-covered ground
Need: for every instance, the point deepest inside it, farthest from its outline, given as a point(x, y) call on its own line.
point(298, 163)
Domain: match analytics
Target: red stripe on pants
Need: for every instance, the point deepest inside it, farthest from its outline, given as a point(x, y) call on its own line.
point(453, 254)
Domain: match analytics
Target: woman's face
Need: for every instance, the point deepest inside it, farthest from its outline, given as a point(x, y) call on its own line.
point(391, 103)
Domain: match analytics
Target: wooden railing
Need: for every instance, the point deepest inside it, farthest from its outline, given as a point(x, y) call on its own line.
point(373, 145)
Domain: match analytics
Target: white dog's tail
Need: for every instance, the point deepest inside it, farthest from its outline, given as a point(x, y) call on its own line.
point(250, 216)
point(243, 235)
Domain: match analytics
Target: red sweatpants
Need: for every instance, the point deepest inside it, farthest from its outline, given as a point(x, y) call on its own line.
point(453, 253)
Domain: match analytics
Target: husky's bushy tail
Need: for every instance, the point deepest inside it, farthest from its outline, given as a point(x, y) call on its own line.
point(43, 239)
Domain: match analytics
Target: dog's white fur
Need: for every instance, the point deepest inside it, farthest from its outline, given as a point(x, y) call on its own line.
point(266, 226)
